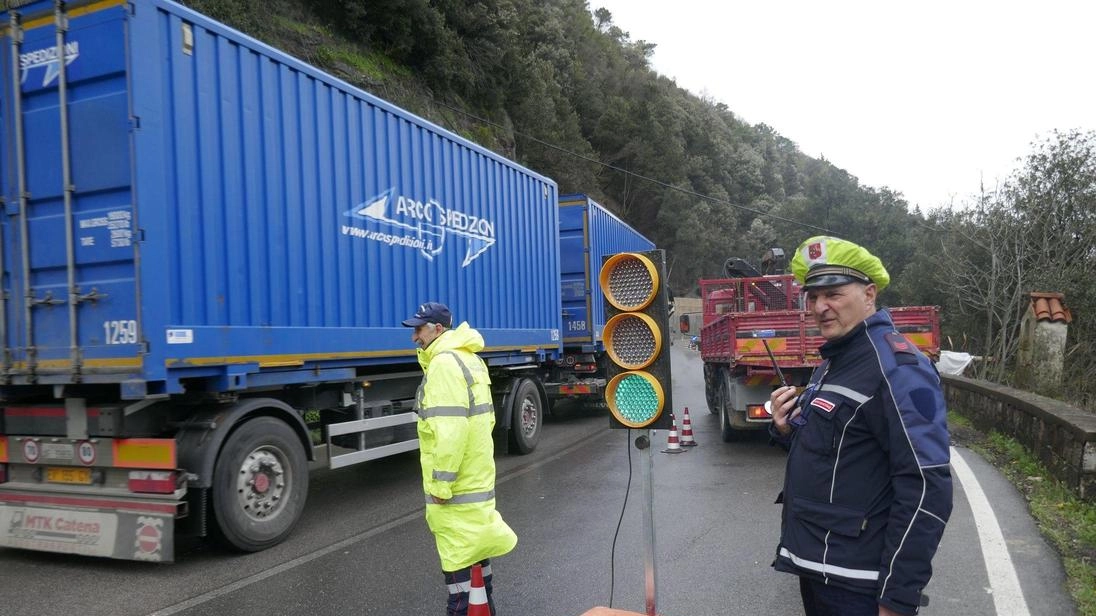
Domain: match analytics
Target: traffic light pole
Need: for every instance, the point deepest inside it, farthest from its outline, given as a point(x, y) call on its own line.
point(650, 572)
point(638, 390)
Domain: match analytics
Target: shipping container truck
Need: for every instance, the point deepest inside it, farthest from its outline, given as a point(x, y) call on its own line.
point(207, 251)
point(587, 232)
point(755, 331)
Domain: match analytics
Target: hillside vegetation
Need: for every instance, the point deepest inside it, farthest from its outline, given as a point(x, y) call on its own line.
point(571, 95)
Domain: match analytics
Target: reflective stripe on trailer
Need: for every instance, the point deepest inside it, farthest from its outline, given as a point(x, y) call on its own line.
point(135, 453)
point(144, 453)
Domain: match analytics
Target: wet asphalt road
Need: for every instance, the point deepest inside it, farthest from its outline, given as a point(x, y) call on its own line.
point(363, 547)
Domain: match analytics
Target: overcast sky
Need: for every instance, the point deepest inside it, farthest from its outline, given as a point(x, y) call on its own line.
point(927, 98)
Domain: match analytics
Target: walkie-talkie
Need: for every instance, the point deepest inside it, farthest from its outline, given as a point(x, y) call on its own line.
point(776, 367)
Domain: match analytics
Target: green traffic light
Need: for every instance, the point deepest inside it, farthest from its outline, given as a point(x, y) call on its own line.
point(635, 398)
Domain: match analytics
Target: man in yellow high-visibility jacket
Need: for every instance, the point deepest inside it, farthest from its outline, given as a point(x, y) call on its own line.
point(456, 452)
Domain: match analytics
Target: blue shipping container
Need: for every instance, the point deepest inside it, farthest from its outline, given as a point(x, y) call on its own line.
point(588, 232)
point(232, 212)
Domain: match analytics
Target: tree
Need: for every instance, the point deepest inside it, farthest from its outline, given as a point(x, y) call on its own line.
point(1034, 234)
point(982, 268)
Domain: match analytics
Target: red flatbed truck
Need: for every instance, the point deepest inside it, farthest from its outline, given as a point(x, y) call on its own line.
point(747, 310)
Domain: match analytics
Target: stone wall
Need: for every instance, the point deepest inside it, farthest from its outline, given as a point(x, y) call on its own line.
point(1061, 436)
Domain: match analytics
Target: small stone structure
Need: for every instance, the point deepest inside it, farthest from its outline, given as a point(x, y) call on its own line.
point(1042, 349)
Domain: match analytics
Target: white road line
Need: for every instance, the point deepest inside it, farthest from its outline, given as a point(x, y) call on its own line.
point(282, 568)
point(311, 556)
point(1008, 599)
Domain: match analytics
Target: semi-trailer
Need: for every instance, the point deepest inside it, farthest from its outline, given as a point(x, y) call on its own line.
point(207, 251)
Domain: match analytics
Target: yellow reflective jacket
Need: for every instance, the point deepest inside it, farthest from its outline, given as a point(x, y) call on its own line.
point(456, 451)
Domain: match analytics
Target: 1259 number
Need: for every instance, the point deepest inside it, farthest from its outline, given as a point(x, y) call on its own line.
point(120, 332)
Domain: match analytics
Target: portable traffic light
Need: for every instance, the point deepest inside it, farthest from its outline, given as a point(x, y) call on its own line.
point(637, 339)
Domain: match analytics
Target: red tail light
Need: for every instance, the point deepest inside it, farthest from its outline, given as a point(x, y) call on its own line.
point(152, 482)
point(757, 411)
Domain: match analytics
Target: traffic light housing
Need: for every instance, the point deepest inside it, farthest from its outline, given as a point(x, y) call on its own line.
point(637, 339)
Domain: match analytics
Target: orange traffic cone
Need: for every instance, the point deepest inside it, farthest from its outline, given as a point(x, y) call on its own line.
point(477, 595)
point(672, 444)
point(687, 439)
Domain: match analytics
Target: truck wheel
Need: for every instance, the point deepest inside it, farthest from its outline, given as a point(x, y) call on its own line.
point(526, 417)
point(259, 484)
point(727, 432)
point(711, 389)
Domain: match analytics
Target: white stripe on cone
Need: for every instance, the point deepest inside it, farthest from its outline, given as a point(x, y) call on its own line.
point(672, 444)
point(477, 596)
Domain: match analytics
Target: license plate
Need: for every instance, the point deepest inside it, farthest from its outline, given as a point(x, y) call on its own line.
point(69, 475)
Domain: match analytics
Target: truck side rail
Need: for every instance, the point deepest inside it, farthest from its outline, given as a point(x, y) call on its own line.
point(737, 338)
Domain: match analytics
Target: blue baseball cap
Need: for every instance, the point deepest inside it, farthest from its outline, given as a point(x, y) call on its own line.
point(431, 312)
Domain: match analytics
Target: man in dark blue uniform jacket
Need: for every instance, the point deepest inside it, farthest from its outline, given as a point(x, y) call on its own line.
point(867, 490)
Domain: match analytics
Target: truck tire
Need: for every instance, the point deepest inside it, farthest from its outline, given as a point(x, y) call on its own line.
point(726, 432)
point(260, 484)
point(726, 429)
point(526, 417)
point(711, 388)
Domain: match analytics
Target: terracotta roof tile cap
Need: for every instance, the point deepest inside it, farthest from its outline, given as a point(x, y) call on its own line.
point(1049, 307)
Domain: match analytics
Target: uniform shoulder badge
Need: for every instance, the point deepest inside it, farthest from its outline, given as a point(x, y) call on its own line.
point(823, 404)
point(903, 349)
